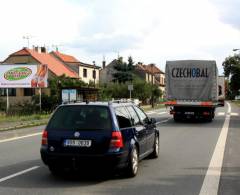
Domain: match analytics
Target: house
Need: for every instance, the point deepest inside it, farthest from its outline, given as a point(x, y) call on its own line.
point(150, 73)
point(147, 72)
point(86, 72)
point(144, 73)
point(35, 56)
point(107, 72)
point(58, 64)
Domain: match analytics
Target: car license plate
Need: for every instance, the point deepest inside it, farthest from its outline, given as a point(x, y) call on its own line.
point(189, 113)
point(77, 143)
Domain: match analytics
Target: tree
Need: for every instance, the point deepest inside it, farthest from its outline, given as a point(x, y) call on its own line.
point(124, 70)
point(231, 67)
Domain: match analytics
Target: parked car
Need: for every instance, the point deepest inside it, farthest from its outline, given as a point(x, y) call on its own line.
point(113, 135)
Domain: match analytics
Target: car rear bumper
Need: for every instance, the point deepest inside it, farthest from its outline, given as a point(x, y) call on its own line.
point(114, 160)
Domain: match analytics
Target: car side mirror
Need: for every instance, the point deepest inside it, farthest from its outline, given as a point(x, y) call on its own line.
point(152, 121)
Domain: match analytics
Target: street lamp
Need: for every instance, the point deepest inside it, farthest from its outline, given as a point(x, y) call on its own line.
point(152, 85)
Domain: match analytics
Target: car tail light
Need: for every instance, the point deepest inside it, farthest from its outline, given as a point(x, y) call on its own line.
point(172, 112)
point(45, 138)
point(116, 141)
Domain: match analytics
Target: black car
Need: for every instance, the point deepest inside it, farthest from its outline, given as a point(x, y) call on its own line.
point(116, 135)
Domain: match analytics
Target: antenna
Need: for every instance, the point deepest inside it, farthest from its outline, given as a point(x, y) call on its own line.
point(27, 37)
point(56, 46)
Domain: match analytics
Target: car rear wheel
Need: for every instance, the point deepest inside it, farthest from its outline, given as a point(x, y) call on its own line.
point(132, 167)
point(155, 152)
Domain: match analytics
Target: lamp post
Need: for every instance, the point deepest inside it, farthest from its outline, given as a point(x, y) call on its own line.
point(152, 85)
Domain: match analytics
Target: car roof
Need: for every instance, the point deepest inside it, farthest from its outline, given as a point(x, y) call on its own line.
point(99, 103)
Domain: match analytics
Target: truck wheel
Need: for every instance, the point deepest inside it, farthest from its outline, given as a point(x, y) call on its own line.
point(176, 118)
point(209, 119)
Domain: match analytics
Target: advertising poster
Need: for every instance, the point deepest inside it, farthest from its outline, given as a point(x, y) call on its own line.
point(23, 76)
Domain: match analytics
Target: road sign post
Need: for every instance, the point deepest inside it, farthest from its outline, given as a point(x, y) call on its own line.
point(130, 88)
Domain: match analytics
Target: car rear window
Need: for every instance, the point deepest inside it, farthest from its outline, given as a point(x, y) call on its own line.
point(83, 117)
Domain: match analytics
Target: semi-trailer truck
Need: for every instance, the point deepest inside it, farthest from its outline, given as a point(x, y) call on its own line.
point(192, 89)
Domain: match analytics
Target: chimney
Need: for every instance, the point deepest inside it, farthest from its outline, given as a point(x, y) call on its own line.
point(43, 50)
point(103, 64)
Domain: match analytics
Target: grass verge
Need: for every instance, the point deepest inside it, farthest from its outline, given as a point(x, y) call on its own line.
point(237, 102)
point(17, 122)
point(149, 107)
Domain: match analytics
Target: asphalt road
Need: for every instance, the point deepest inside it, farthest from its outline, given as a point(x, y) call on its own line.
point(195, 159)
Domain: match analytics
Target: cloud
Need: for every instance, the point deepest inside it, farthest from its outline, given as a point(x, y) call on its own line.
point(149, 30)
point(228, 11)
point(101, 43)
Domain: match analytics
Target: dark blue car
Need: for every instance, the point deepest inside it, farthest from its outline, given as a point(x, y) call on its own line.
point(116, 135)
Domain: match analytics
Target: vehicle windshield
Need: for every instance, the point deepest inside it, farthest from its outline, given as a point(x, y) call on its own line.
point(82, 117)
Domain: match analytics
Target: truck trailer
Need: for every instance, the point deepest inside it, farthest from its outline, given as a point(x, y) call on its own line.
point(192, 89)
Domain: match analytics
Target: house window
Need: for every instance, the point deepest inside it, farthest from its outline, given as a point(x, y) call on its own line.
point(94, 74)
point(11, 92)
point(84, 72)
point(29, 92)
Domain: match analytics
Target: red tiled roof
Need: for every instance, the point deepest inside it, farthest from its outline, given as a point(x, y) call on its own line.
point(151, 68)
point(65, 58)
point(45, 58)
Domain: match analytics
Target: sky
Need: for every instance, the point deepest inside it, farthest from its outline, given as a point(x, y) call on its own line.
point(151, 31)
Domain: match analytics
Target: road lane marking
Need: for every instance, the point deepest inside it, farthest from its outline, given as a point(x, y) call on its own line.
point(155, 112)
point(20, 137)
point(221, 113)
point(234, 114)
point(164, 121)
point(150, 112)
point(161, 113)
point(18, 173)
point(212, 177)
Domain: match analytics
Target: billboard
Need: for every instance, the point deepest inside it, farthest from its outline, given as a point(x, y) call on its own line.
point(23, 76)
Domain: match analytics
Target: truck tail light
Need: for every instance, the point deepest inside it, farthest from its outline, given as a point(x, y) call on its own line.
point(206, 113)
point(45, 138)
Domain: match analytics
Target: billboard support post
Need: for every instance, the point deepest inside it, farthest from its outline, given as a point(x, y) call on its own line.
point(7, 100)
point(40, 99)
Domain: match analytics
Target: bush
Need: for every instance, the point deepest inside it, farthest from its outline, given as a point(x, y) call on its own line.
point(24, 108)
point(2, 105)
point(49, 103)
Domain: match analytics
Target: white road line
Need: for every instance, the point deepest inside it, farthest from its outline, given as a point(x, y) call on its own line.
point(162, 113)
point(164, 121)
point(221, 113)
point(18, 173)
point(150, 112)
point(234, 114)
point(21, 137)
point(212, 177)
point(155, 112)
